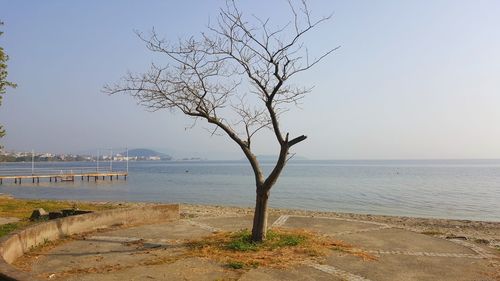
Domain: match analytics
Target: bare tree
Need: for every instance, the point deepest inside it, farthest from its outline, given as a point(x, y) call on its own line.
point(219, 73)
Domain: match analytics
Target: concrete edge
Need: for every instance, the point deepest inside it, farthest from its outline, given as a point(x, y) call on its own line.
point(19, 242)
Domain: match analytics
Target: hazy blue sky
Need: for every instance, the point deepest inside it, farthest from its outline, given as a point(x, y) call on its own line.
point(413, 79)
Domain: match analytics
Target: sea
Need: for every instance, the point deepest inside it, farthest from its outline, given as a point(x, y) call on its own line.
point(454, 189)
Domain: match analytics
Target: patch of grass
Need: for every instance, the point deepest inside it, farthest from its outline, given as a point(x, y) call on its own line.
point(22, 209)
point(10, 227)
point(242, 240)
point(235, 264)
point(241, 245)
point(282, 248)
point(18, 208)
point(284, 239)
point(7, 228)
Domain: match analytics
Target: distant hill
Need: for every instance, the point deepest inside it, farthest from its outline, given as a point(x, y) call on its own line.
point(146, 153)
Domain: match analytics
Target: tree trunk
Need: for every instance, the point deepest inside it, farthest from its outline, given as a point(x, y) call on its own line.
point(259, 229)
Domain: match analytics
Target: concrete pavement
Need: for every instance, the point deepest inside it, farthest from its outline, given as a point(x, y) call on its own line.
point(151, 252)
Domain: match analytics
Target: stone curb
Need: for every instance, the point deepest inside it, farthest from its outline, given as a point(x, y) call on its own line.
point(16, 244)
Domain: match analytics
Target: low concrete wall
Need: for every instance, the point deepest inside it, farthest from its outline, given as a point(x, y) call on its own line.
point(20, 242)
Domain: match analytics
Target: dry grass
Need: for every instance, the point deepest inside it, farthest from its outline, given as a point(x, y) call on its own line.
point(25, 262)
point(22, 209)
point(18, 208)
point(283, 248)
point(107, 268)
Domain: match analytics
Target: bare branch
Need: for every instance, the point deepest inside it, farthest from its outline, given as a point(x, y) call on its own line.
point(209, 77)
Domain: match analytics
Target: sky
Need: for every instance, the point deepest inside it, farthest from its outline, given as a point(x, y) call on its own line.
point(411, 80)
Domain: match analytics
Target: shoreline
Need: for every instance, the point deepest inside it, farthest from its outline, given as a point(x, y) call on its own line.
point(446, 228)
point(445, 190)
point(483, 232)
point(368, 214)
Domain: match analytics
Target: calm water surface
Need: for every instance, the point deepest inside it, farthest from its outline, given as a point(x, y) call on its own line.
point(462, 189)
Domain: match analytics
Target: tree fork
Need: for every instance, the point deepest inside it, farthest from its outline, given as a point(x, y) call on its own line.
point(259, 229)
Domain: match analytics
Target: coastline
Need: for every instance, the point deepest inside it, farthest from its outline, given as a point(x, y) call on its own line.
point(460, 190)
point(483, 232)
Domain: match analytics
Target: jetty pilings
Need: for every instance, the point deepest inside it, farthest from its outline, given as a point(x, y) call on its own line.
point(64, 177)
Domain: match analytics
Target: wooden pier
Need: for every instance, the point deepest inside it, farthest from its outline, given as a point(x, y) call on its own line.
point(65, 176)
point(61, 174)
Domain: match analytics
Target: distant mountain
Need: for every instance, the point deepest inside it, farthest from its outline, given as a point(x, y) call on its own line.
point(146, 153)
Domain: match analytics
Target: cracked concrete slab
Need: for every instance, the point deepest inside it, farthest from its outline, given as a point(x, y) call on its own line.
point(300, 273)
point(231, 223)
point(406, 268)
point(154, 252)
point(181, 229)
point(187, 269)
point(329, 225)
point(402, 240)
